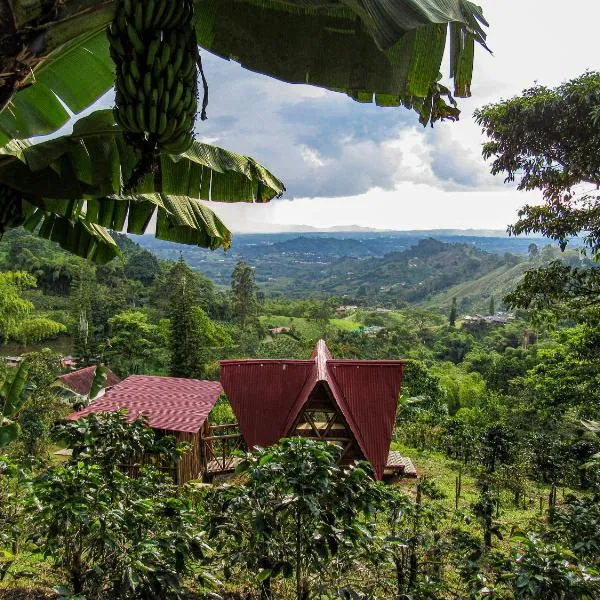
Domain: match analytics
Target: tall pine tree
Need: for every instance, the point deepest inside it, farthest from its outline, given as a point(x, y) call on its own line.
point(243, 287)
point(453, 313)
point(82, 291)
point(186, 354)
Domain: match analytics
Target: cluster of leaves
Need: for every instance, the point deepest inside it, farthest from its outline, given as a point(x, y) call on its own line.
point(115, 535)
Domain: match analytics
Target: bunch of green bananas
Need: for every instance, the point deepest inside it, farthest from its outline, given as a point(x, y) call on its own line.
point(11, 208)
point(153, 45)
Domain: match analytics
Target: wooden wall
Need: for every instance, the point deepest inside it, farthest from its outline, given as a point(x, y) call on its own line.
point(191, 464)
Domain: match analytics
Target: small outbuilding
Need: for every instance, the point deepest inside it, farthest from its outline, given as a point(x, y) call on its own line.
point(349, 402)
point(80, 381)
point(173, 406)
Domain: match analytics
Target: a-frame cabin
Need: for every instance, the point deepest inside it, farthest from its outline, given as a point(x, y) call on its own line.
point(349, 402)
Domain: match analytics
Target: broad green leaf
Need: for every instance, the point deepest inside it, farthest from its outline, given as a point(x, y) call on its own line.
point(98, 382)
point(359, 47)
point(74, 76)
point(9, 432)
point(74, 234)
point(81, 227)
point(15, 392)
point(95, 160)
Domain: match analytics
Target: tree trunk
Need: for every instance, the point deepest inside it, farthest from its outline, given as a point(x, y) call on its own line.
point(30, 31)
point(298, 556)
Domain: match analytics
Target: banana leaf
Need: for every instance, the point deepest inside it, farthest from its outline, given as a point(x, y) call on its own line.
point(81, 227)
point(95, 161)
point(386, 51)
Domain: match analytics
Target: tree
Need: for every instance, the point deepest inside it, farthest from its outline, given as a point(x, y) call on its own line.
point(110, 534)
point(453, 314)
point(135, 345)
point(82, 291)
point(548, 138)
point(45, 405)
point(14, 394)
point(186, 353)
point(243, 288)
point(293, 513)
point(16, 321)
point(142, 266)
point(492, 309)
point(389, 40)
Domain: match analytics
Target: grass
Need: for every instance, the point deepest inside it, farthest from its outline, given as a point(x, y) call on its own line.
point(309, 330)
point(444, 472)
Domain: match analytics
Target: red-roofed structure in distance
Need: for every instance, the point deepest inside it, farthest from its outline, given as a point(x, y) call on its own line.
point(172, 405)
point(350, 402)
point(80, 381)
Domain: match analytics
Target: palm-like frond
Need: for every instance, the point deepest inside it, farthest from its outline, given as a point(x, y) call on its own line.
point(96, 160)
point(387, 51)
point(72, 189)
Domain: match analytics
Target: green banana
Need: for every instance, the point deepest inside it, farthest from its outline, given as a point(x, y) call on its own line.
point(151, 52)
point(140, 117)
point(149, 14)
point(164, 101)
point(135, 71)
point(136, 41)
point(168, 132)
point(162, 124)
point(176, 97)
point(178, 59)
point(166, 19)
point(138, 16)
point(147, 83)
point(170, 77)
point(153, 118)
point(158, 14)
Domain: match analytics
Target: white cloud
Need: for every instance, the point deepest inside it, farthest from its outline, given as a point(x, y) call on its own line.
point(387, 170)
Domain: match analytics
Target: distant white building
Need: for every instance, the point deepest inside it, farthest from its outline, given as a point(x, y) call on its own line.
point(340, 310)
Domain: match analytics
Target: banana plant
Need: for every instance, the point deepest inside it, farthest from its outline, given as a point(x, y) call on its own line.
point(69, 189)
point(14, 394)
point(56, 59)
point(77, 400)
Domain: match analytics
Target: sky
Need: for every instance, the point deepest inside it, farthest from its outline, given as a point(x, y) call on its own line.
point(345, 163)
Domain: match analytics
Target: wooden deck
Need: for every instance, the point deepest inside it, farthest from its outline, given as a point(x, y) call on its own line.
point(398, 465)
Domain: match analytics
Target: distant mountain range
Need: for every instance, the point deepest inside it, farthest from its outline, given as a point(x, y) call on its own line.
point(387, 267)
point(274, 228)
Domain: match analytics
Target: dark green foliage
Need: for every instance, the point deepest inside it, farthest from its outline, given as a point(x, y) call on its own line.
point(549, 139)
point(550, 571)
point(296, 510)
point(135, 345)
point(111, 534)
point(453, 313)
point(142, 266)
point(44, 406)
point(452, 344)
point(243, 288)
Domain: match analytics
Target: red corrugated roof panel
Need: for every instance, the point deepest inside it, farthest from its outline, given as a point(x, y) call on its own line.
point(80, 381)
point(262, 393)
point(171, 403)
point(267, 397)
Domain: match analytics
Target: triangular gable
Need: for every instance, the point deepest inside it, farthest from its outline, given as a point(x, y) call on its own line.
point(367, 394)
point(268, 396)
point(262, 393)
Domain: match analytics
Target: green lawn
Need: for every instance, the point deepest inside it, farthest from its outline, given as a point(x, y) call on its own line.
point(307, 329)
point(444, 472)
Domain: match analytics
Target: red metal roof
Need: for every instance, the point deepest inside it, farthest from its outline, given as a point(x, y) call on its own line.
point(80, 381)
point(170, 403)
point(268, 395)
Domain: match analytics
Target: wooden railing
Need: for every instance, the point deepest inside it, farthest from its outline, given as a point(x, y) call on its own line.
point(219, 447)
